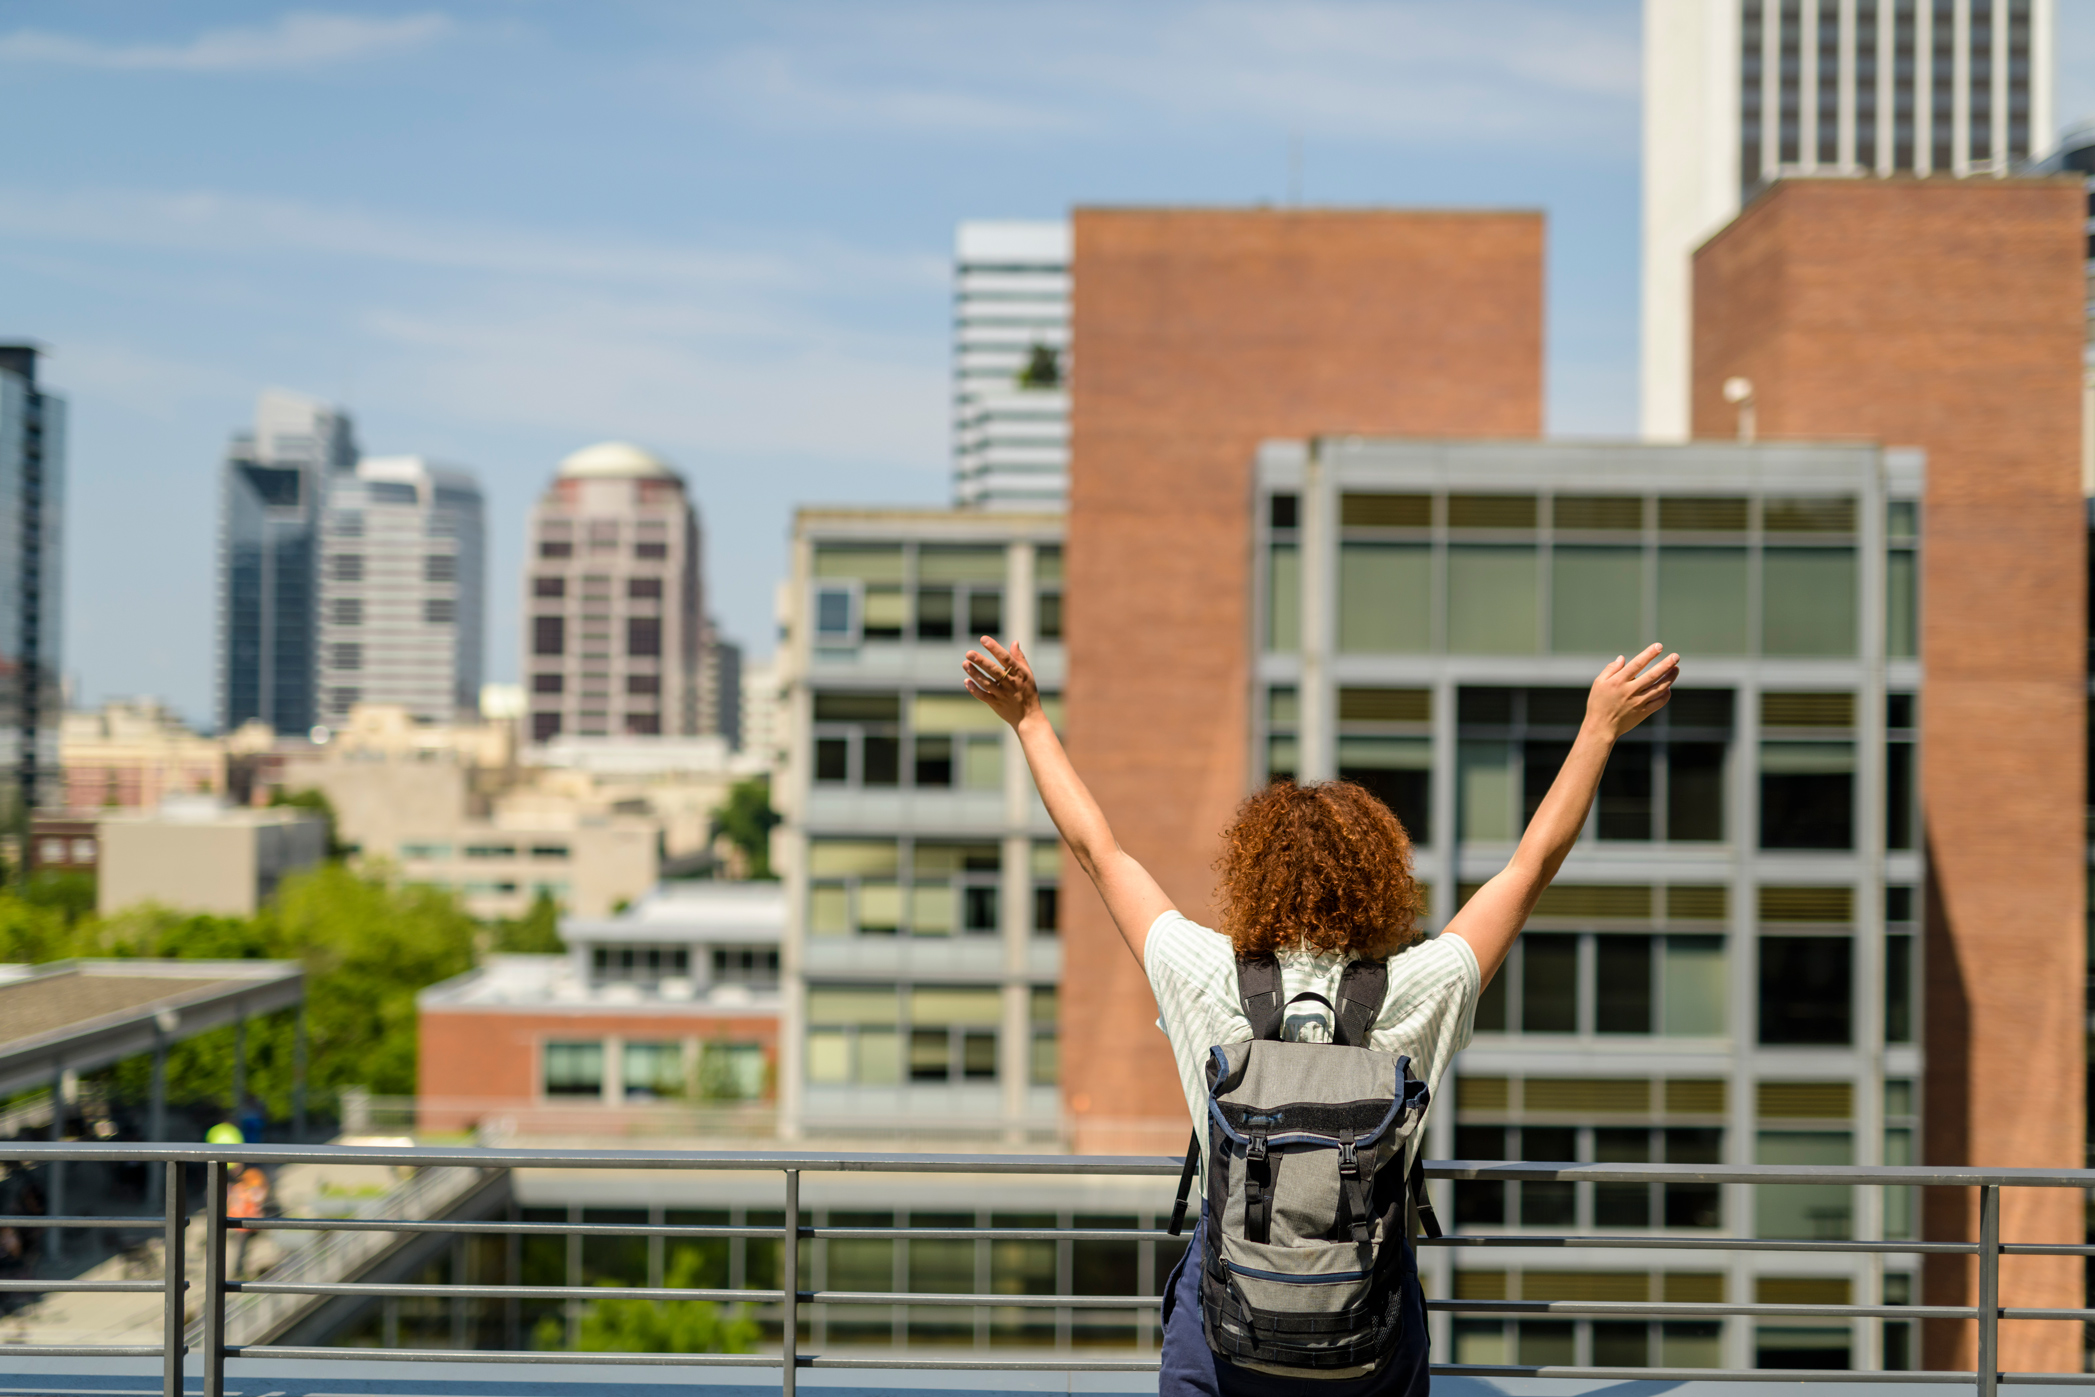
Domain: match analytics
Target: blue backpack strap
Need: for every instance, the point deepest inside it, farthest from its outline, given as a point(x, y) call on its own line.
point(1362, 987)
point(1258, 987)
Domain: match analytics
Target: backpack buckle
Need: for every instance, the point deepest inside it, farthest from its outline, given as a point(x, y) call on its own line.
point(1255, 1152)
point(1348, 1159)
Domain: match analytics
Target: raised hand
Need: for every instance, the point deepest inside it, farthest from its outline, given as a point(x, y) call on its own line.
point(1630, 690)
point(1004, 682)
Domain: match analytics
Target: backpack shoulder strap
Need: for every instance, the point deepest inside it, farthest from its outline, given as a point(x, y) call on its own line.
point(1258, 987)
point(1362, 987)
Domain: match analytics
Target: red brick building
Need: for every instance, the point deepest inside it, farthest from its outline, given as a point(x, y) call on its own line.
point(1197, 334)
point(1948, 315)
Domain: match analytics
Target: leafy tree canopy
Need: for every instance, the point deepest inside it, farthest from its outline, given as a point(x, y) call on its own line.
point(746, 818)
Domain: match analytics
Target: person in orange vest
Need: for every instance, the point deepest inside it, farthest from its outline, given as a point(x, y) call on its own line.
point(246, 1197)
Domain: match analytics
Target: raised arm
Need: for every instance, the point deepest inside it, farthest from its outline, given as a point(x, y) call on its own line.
point(1625, 694)
point(1004, 680)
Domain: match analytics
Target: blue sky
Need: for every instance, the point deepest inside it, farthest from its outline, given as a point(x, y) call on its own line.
point(501, 231)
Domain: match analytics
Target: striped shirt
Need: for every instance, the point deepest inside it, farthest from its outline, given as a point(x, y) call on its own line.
point(1433, 987)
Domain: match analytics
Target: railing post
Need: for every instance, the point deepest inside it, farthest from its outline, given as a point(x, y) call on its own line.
point(1989, 1290)
point(214, 1296)
point(173, 1277)
point(789, 1271)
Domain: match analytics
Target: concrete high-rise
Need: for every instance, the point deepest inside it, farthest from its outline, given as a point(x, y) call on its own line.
point(1738, 93)
point(32, 497)
point(272, 490)
point(616, 637)
point(1011, 365)
point(402, 589)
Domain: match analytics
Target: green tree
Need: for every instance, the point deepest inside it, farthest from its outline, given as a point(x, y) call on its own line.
point(656, 1326)
point(536, 933)
point(1043, 369)
point(71, 893)
point(319, 804)
point(746, 818)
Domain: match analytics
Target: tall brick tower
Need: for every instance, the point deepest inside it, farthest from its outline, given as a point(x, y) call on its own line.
point(1948, 316)
point(1198, 334)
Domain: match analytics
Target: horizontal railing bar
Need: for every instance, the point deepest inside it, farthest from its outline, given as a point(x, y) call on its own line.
point(80, 1350)
point(2045, 1249)
point(503, 1292)
point(1782, 1375)
point(1701, 1310)
point(11, 1287)
point(1704, 1244)
point(2016, 1312)
point(696, 1360)
point(705, 1230)
point(134, 1224)
point(612, 1292)
point(1031, 1302)
point(1124, 1165)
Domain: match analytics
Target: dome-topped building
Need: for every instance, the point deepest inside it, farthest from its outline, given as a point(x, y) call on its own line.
point(616, 637)
point(616, 460)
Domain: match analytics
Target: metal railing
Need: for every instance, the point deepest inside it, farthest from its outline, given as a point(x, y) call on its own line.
point(215, 1292)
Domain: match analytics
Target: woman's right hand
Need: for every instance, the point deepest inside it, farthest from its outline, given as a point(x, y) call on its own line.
point(1006, 683)
point(1626, 693)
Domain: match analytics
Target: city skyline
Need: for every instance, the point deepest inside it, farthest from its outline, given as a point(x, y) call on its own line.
point(512, 315)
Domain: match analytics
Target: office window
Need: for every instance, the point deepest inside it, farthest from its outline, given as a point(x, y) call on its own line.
point(1692, 1205)
point(858, 737)
point(1283, 598)
point(548, 586)
point(574, 1069)
point(548, 635)
point(1046, 864)
point(1640, 984)
point(1901, 604)
point(556, 548)
point(644, 724)
point(1806, 990)
point(1694, 986)
point(439, 611)
point(1597, 600)
point(1398, 771)
point(953, 1033)
point(954, 889)
point(652, 1071)
point(1385, 598)
point(853, 886)
point(348, 611)
point(884, 613)
point(1623, 998)
point(833, 616)
point(729, 1071)
point(1044, 1015)
point(1549, 983)
point(643, 636)
point(644, 588)
point(1807, 795)
point(853, 1035)
point(1702, 600)
point(347, 567)
point(544, 726)
point(440, 567)
point(648, 552)
point(643, 684)
point(346, 657)
point(1808, 601)
point(1817, 1212)
point(1493, 600)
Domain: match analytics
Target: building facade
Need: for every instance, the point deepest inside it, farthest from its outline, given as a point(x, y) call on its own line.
point(133, 753)
point(1738, 93)
point(1728, 967)
point(670, 1005)
point(272, 489)
point(921, 960)
point(32, 570)
point(1011, 365)
point(196, 854)
point(1947, 315)
point(403, 590)
point(616, 637)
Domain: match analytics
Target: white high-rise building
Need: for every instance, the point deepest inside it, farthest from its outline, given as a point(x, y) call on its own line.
point(1011, 365)
point(1738, 93)
point(402, 590)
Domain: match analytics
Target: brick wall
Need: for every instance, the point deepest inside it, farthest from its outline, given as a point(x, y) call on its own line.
point(1948, 315)
point(1198, 334)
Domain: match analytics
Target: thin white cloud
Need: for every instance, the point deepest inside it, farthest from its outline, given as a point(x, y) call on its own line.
point(301, 39)
point(1392, 70)
point(222, 224)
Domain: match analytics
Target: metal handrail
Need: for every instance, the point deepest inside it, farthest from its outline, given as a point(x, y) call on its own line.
point(212, 1344)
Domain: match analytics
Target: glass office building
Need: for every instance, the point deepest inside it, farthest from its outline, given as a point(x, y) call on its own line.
point(1726, 968)
point(32, 567)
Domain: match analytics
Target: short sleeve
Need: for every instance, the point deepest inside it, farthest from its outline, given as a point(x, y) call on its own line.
point(1432, 1004)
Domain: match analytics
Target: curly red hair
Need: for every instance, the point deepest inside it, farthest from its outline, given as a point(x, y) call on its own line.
point(1324, 867)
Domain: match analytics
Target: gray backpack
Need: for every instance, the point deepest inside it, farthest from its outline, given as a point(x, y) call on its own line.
point(1307, 1267)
